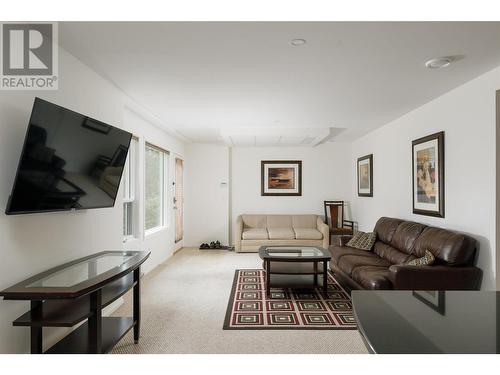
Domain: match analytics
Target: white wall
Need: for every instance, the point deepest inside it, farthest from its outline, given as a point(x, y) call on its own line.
point(467, 115)
point(34, 243)
point(206, 194)
point(325, 176)
point(211, 208)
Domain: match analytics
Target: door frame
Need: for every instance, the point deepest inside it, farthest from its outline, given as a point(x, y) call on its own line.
point(178, 242)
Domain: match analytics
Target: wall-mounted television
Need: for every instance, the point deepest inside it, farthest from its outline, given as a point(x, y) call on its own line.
point(69, 161)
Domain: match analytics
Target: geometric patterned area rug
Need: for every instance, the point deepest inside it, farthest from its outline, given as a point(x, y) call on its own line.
point(249, 308)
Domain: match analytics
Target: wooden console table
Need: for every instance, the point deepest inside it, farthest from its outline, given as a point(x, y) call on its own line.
point(76, 291)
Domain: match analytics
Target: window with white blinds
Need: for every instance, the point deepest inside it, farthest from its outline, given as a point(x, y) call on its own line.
point(130, 204)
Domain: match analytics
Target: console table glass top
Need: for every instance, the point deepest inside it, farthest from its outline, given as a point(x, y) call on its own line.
point(77, 278)
point(294, 252)
point(82, 271)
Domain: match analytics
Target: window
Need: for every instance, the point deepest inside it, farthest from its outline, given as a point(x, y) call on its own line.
point(155, 192)
point(129, 189)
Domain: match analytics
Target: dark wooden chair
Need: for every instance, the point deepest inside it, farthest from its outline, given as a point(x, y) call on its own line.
point(334, 218)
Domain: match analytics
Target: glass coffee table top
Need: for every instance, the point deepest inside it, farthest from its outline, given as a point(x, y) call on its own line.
point(82, 271)
point(293, 252)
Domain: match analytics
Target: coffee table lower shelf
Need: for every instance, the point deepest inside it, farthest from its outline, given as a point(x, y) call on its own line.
point(77, 342)
point(297, 281)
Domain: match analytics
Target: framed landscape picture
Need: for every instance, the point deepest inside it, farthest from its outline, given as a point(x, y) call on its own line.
point(428, 175)
point(365, 176)
point(281, 177)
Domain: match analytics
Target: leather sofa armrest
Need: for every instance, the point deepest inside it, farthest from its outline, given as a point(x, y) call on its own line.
point(238, 233)
point(405, 277)
point(343, 240)
point(325, 231)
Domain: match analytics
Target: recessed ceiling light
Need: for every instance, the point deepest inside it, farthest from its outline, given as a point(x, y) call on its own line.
point(297, 42)
point(438, 63)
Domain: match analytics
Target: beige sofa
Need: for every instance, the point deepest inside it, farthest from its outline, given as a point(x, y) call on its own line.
point(253, 231)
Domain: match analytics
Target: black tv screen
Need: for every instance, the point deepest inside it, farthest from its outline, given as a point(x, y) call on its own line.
point(69, 161)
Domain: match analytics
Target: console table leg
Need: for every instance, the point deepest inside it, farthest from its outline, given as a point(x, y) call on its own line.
point(137, 304)
point(95, 322)
point(36, 333)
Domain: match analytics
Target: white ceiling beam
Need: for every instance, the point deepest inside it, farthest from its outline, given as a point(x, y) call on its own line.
point(320, 137)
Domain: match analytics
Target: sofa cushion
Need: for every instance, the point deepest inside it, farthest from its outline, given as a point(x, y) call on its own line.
point(279, 221)
point(406, 235)
point(281, 233)
point(348, 263)
point(391, 254)
point(362, 241)
point(373, 277)
point(255, 234)
point(307, 234)
point(385, 228)
point(339, 251)
point(304, 221)
point(254, 221)
point(451, 247)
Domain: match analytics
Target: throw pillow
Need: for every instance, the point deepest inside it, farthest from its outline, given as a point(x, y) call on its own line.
point(362, 241)
point(426, 260)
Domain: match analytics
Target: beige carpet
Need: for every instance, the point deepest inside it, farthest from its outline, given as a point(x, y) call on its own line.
point(184, 302)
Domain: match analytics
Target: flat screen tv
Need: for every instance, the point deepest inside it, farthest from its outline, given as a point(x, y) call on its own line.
point(69, 161)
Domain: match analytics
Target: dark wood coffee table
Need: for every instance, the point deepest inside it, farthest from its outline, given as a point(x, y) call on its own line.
point(293, 265)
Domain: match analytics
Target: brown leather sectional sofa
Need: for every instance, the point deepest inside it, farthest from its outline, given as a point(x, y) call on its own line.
point(399, 241)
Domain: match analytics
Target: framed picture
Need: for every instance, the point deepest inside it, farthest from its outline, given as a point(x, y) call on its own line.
point(281, 177)
point(428, 175)
point(432, 298)
point(365, 176)
point(96, 126)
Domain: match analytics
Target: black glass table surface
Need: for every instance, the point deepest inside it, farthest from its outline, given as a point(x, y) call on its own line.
point(429, 322)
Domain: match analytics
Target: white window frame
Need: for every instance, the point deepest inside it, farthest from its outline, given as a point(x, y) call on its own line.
point(130, 188)
point(165, 178)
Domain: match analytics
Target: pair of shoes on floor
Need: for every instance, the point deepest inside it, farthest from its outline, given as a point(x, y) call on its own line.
point(204, 246)
point(215, 245)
